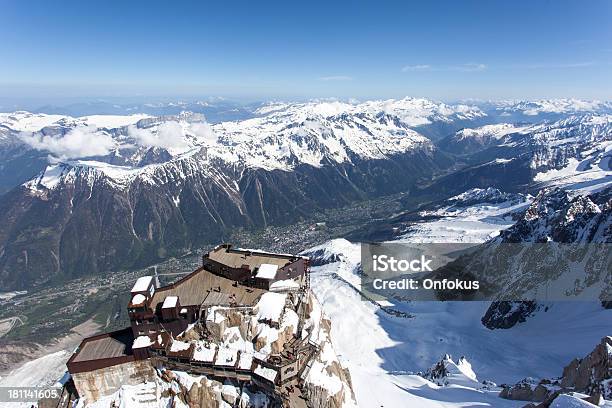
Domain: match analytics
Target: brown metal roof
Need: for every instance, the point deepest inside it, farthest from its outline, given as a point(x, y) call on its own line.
point(109, 345)
point(204, 287)
point(237, 258)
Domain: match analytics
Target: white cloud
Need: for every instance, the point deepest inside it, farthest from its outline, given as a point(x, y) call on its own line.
point(82, 141)
point(471, 67)
point(203, 131)
point(336, 78)
point(173, 136)
point(169, 135)
point(420, 67)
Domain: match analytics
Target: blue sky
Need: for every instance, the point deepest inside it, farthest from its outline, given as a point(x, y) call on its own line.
point(254, 50)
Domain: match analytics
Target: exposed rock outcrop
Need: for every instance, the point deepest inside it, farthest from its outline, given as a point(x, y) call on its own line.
point(327, 384)
point(590, 376)
point(447, 372)
point(529, 389)
point(504, 315)
point(96, 384)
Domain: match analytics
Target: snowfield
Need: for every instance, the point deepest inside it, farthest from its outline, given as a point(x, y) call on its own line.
point(384, 366)
point(496, 131)
point(383, 352)
point(467, 224)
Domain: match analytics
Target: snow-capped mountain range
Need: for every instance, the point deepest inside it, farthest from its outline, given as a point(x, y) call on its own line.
point(557, 106)
point(282, 137)
point(571, 151)
point(170, 182)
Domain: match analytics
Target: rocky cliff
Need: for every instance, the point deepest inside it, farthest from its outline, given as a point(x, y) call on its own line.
point(590, 377)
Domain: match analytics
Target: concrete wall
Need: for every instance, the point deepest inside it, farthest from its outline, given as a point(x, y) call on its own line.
point(95, 384)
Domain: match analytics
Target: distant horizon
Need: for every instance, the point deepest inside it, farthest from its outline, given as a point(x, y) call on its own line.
point(36, 104)
point(440, 50)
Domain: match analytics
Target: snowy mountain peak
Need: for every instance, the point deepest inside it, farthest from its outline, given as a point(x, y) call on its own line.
point(86, 172)
point(484, 195)
point(448, 372)
point(559, 216)
point(411, 111)
point(495, 131)
point(556, 106)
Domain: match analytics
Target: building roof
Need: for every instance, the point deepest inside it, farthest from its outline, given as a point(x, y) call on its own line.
point(226, 357)
point(142, 284)
point(265, 372)
point(109, 345)
point(141, 342)
point(285, 285)
point(236, 258)
point(267, 271)
point(270, 306)
point(180, 349)
point(205, 288)
point(162, 340)
point(138, 299)
point(170, 302)
point(204, 352)
point(246, 360)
